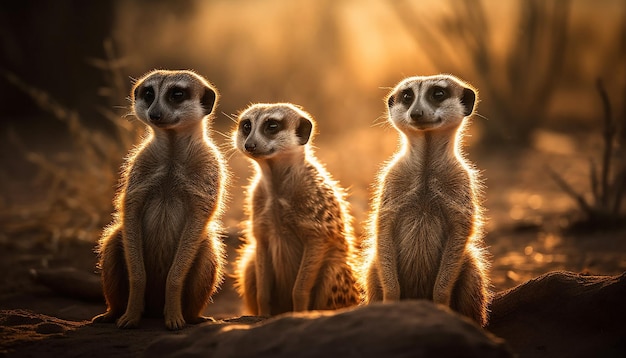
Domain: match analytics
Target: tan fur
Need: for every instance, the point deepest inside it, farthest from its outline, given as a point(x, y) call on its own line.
point(162, 255)
point(425, 234)
point(298, 253)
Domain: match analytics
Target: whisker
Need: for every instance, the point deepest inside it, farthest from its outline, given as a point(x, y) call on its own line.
point(231, 117)
point(228, 151)
point(222, 134)
point(380, 121)
point(481, 116)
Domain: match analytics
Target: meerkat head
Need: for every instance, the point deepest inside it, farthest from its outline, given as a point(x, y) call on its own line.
point(266, 130)
point(172, 99)
point(430, 103)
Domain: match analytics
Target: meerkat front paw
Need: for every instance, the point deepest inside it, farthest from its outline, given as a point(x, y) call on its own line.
point(173, 318)
point(129, 320)
point(175, 323)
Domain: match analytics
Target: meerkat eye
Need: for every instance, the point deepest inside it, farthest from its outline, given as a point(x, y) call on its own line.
point(178, 94)
point(245, 127)
point(407, 96)
point(272, 126)
point(148, 94)
point(439, 94)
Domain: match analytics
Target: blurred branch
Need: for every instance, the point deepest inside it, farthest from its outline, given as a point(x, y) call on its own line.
point(593, 177)
point(619, 192)
point(570, 191)
point(557, 37)
point(41, 98)
point(608, 134)
point(423, 33)
point(116, 90)
point(50, 105)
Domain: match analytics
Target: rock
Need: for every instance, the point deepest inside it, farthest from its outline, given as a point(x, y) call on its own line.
point(408, 328)
point(70, 282)
point(19, 326)
point(563, 314)
point(49, 328)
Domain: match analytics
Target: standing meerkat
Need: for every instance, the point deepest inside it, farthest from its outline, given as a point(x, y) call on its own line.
point(425, 235)
point(162, 255)
point(299, 252)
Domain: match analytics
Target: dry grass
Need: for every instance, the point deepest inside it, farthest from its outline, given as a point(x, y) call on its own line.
point(80, 184)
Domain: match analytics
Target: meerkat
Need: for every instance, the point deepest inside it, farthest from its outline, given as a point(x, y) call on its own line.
point(299, 252)
point(162, 255)
point(425, 234)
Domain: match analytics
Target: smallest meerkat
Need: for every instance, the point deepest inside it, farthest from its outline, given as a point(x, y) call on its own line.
point(425, 239)
point(299, 252)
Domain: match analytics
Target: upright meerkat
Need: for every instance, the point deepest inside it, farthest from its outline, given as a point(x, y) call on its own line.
point(425, 239)
point(299, 252)
point(162, 255)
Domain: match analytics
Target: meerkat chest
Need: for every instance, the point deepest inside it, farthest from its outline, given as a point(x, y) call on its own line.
point(422, 204)
point(279, 222)
point(277, 228)
point(158, 191)
point(165, 205)
point(435, 189)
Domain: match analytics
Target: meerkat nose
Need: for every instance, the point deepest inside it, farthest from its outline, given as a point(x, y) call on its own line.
point(155, 116)
point(417, 114)
point(250, 147)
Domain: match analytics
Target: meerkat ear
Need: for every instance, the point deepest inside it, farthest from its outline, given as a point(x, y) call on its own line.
point(208, 100)
point(391, 100)
point(468, 99)
point(303, 131)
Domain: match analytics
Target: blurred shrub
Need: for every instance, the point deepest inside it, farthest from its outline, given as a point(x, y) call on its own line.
point(608, 182)
point(518, 83)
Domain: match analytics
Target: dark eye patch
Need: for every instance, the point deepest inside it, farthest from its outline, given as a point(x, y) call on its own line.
point(439, 94)
point(407, 96)
point(178, 94)
point(147, 94)
point(272, 126)
point(245, 127)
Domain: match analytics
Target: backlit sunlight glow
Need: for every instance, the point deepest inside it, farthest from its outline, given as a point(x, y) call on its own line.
point(339, 59)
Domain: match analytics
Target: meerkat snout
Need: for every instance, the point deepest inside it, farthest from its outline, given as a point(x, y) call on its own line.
point(250, 147)
point(417, 114)
point(155, 116)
